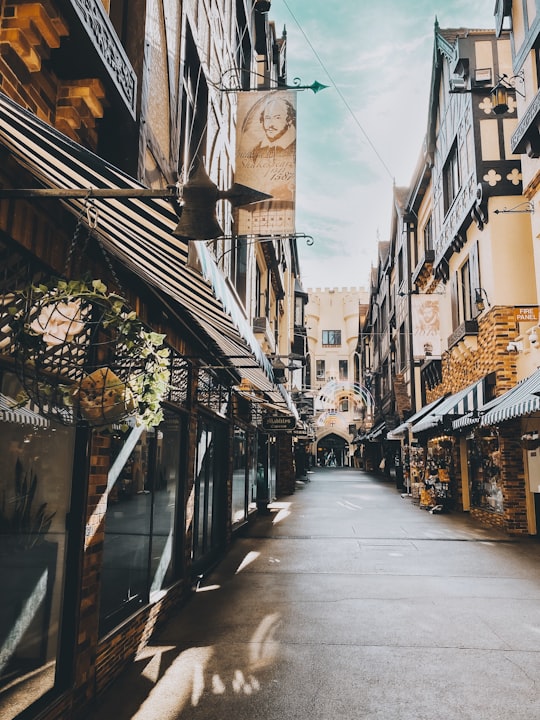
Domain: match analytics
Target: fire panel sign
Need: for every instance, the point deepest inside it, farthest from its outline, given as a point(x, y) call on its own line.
point(527, 314)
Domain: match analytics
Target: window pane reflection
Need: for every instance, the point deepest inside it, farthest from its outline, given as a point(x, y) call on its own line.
point(35, 483)
point(139, 545)
point(239, 477)
point(209, 488)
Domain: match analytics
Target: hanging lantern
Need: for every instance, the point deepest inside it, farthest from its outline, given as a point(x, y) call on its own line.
point(499, 99)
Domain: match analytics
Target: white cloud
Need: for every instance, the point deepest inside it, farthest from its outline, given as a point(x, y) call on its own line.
point(377, 59)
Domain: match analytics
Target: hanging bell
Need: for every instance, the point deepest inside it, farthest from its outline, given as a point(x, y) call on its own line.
point(198, 220)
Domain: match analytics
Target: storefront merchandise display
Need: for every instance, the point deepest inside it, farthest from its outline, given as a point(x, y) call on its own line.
point(416, 470)
point(484, 459)
point(439, 471)
point(429, 470)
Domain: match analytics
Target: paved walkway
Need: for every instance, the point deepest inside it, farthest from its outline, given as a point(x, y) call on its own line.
point(348, 602)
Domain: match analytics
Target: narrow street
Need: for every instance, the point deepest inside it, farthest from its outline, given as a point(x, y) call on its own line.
point(349, 602)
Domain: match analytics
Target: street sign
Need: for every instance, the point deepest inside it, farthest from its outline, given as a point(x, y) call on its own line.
point(278, 422)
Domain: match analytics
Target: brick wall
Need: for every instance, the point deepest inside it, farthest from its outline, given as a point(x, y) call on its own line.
point(513, 479)
point(29, 33)
point(462, 366)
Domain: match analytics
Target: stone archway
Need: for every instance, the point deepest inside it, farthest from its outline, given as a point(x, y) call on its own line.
point(336, 445)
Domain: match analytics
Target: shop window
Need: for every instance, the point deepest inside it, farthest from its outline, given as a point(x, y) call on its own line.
point(240, 478)
point(35, 485)
point(139, 559)
point(484, 460)
point(253, 463)
point(209, 493)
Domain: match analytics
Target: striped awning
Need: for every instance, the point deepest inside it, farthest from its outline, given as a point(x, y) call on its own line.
point(460, 403)
point(402, 431)
point(12, 413)
point(138, 231)
point(520, 400)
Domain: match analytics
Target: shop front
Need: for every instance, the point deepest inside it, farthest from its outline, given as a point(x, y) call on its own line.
point(430, 464)
point(436, 468)
point(503, 458)
point(412, 454)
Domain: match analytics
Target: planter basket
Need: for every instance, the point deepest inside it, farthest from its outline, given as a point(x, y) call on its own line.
point(83, 357)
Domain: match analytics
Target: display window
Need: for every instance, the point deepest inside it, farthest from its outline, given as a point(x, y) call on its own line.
point(140, 545)
point(484, 462)
point(35, 494)
point(240, 477)
point(210, 493)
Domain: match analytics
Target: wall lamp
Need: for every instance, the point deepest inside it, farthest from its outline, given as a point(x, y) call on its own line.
point(194, 202)
point(198, 220)
point(279, 367)
point(480, 299)
point(499, 93)
point(514, 346)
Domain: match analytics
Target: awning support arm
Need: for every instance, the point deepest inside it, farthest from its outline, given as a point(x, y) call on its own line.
point(169, 193)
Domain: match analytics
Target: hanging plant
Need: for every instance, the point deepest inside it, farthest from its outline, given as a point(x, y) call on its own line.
point(83, 355)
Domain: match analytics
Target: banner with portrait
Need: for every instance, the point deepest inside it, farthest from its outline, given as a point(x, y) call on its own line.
point(426, 328)
point(266, 160)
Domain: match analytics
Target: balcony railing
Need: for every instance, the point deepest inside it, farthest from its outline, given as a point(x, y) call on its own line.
point(103, 37)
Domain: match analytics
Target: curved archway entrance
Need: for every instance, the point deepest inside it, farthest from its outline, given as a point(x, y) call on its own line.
point(332, 451)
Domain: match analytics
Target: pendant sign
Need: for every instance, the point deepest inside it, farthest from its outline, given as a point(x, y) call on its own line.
point(272, 423)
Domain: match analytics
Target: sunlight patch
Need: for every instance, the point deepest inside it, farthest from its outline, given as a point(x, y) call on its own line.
point(250, 557)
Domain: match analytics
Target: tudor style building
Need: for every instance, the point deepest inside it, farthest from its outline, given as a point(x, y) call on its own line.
point(462, 282)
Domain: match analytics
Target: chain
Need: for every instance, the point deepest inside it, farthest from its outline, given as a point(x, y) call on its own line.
point(75, 238)
point(90, 213)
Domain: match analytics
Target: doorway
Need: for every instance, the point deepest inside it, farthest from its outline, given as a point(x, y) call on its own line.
point(332, 451)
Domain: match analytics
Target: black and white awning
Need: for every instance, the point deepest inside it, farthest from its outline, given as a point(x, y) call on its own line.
point(520, 400)
point(453, 406)
point(401, 432)
point(138, 231)
point(12, 412)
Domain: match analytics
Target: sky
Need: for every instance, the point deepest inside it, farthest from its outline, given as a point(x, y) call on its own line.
point(364, 133)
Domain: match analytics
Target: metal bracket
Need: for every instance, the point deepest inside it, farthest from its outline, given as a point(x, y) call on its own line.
point(170, 193)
